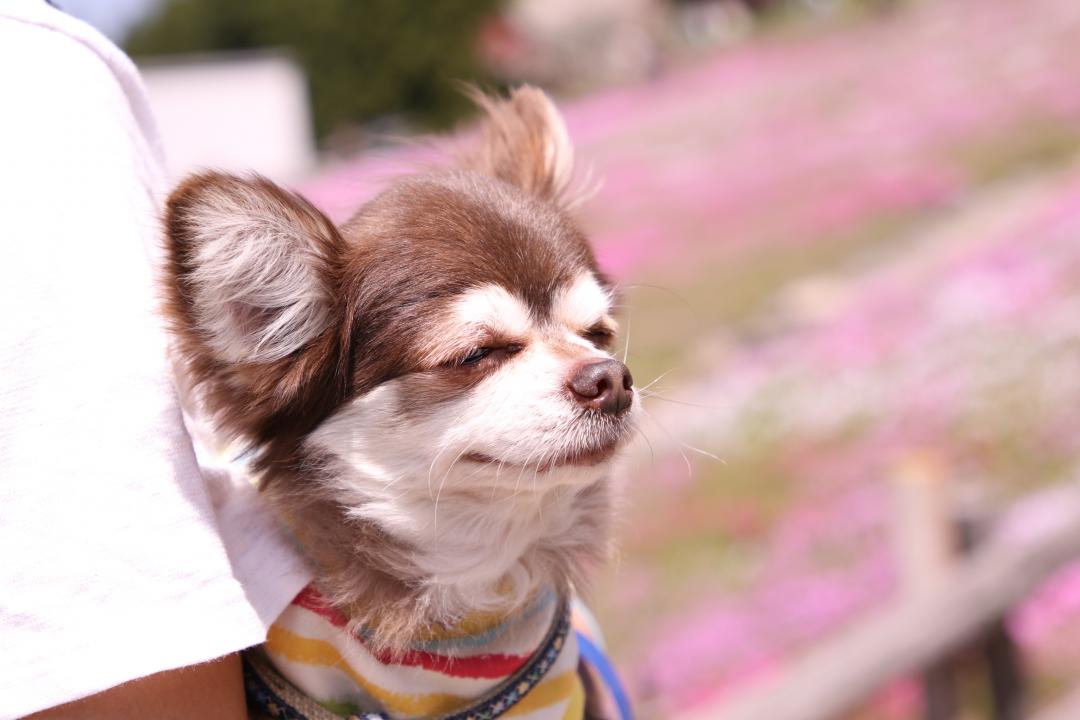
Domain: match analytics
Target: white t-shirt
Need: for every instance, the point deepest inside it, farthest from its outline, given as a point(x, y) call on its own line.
point(118, 559)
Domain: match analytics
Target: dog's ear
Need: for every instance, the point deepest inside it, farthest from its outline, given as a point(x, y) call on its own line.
point(525, 143)
point(250, 267)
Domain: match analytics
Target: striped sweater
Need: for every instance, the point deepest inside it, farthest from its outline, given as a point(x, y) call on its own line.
point(443, 672)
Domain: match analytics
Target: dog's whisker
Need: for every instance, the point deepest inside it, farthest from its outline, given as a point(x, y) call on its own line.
point(626, 347)
point(663, 398)
point(655, 380)
point(524, 466)
point(495, 482)
point(652, 453)
point(685, 445)
point(678, 296)
point(431, 468)
point(481, 468)
point(689, 467)
point(706, 453)
point(442, 483)
point(536, 471)
point(547, 456)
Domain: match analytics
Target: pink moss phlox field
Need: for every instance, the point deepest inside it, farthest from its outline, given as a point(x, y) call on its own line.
point(913, 359)
point(961, 339)
point(836, 130)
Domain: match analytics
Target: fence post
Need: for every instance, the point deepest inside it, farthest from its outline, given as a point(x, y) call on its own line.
point(932, 532)
point(926, 542)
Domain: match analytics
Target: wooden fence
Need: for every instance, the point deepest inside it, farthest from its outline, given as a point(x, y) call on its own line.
point(953, 605)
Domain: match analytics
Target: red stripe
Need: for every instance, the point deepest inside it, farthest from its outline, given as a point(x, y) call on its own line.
point(310, 599)
point(488, 666)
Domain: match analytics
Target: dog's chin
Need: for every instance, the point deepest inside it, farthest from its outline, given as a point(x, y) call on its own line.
point(570, 459)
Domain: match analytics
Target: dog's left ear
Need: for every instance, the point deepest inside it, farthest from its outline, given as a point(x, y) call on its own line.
point(250, 267)
point(525, 143)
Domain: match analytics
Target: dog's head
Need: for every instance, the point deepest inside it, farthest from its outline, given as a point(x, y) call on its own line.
point(453, 336)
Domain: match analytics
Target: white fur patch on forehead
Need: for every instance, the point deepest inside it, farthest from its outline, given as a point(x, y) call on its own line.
point(495, 308)
point(582, 304)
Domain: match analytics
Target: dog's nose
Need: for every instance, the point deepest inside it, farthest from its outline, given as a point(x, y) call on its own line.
point(604, 385)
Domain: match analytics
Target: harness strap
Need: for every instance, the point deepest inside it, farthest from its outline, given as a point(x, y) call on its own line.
point(592, 655)
point(271, 693)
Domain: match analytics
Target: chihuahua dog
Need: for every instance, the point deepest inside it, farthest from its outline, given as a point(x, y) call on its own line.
point(433, 407)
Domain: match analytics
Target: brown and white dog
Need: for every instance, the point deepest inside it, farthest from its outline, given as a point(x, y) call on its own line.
point(429, 387)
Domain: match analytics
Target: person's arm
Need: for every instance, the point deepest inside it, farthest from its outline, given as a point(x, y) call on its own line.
point(209, 690)
point(115, 585)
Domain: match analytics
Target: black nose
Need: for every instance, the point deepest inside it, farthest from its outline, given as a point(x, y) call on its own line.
point(605, 385)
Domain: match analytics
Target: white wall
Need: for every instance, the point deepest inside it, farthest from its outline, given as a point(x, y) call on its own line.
point(238, 112)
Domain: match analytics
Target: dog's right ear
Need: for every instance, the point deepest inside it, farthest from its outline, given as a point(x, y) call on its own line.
point(525, 143)
point(250, 267)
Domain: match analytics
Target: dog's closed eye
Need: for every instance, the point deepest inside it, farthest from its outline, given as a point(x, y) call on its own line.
point(475, 356)
point(600, 335)
point(486, 355)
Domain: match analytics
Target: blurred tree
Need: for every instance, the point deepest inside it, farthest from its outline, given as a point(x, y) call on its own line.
point(364, 59)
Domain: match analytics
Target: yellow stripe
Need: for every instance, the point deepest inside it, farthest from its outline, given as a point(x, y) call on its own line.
point(575, 709)
point(291, 646)
point(549, 692)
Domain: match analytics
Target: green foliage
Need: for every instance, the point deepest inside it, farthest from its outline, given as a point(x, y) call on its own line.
point(363, 58)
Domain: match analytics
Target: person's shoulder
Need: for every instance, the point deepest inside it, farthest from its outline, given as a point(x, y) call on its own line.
point(37, 24)
point(61, 60)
